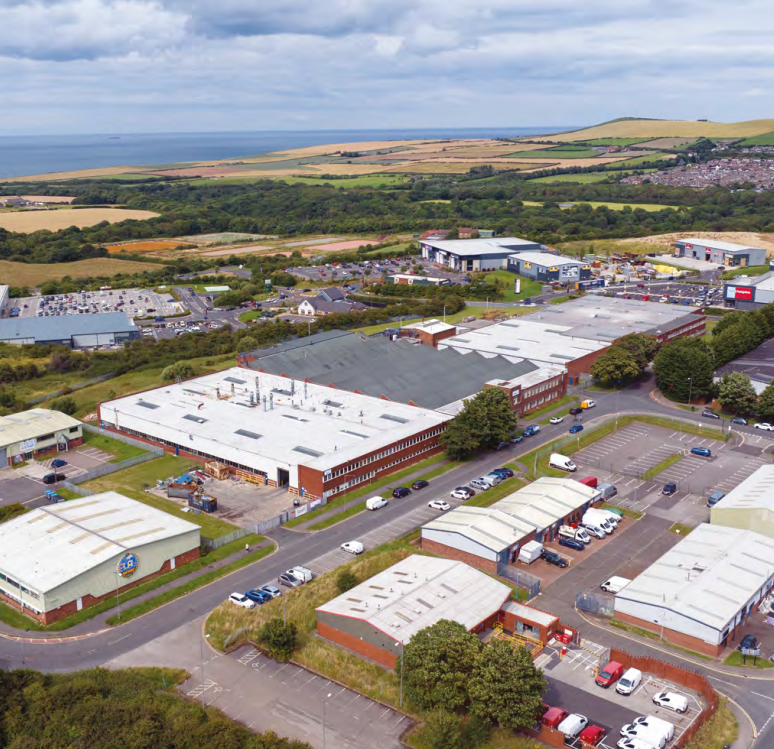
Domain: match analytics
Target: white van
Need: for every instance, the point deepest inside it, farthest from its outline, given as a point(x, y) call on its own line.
point(492, 479)
point(656, 726)
point(590, 517)
point(572, 725)
point(603, 517)
point(644, 733)
point(375, 503)
point(562, 462)
point(567, 531)
point(302, 573)
point(629, 681)
point(614, 584)
point(530, 552)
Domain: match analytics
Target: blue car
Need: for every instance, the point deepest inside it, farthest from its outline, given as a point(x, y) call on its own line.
point(530, 430)
point(58, 463)
point(503, 473)
point(575, 428)
point(259, 596)
point(703, 451)
point(572, 543)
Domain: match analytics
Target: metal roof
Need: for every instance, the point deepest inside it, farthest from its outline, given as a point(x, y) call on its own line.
point(52, 545)
point(717, 244)
point(64, 326)
point(419, 591)
point(491, 528)
point(488, 246)
point(546, 258)
point(28, 425)
point(756, 492)
point(430, 326)
point(527, 612)
point(709, 576)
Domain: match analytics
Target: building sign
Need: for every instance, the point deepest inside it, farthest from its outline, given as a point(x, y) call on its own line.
point(591, 284)
point(745, 293)
point(127, 565)
point(299, 511)
point(569, 272)
point(27, 445)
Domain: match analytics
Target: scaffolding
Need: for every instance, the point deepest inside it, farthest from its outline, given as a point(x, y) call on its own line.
point(535, 647)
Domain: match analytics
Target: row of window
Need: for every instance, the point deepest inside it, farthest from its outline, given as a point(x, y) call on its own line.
point(548, 385)
point(19, 586)
point(378, 456)
point(18, 600)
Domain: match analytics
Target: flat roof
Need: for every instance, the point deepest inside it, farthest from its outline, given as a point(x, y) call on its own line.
point(65, 326)
point(53, 544)
point(419, 591)
point(484, 246)
point(297, 423)
point(527, 612)
point(718, 244)
point(764, 282)
point(29, 425)
point(430, 326)
point(756, 492)
point(546, 258)
point(493, 529)
point(709, 576)
point(546, 501)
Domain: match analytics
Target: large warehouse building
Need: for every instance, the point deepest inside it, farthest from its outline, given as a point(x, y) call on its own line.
point(489, 538)
point(59, 559)
point(318, 441)
point(721, 253)
point(546, 268)
point(474, 254)
point(376, 618)
point(702, 591)
point(749, 506)
point(32, 434)
point(75, 331)
point(4, 298)
point(749, 293)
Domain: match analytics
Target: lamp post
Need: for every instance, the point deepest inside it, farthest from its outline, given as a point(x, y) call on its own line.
point(323, 719)
point(444, 313)
point(400, 701)
point(118, 596)
point(690, 391)
point(201, 658)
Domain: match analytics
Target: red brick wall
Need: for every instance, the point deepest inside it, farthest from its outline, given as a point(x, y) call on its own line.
point(678, 638)
point(70, 608)
point(357, 645)
point(460, 556)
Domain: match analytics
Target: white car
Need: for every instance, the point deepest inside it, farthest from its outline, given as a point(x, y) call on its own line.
point(672, 701)
point(765, 426)
point(239, 599)
point(634, 743)
point(556, 419)
point(460, 494)
point(353, 547)
point(438, 504)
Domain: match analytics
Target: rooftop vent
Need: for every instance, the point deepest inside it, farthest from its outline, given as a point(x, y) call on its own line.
point(398, 419)
point(235, 380)
point(308, 451)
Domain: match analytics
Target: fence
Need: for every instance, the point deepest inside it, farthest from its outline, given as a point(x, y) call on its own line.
point(78, 386)
point(522, 579)
point(107, 468)
point(594, 604)
point(257, 528)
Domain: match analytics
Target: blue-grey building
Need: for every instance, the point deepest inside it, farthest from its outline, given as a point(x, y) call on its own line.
point(474, 254)
point(720, 253)
point(546, 267)
point(75, 331)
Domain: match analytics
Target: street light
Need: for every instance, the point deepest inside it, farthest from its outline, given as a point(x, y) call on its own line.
point(400, 702)
point(690, 391)
point(323, 722)
point(444, 313)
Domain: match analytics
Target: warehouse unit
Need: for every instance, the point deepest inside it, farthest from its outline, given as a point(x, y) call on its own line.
point(702, 591)
point(4, 298)
point(490, 538)
point(749, 506)
point(722, 253)
point(547, 268)
point(749, 293)
point(32, 434)
point(74, 331)
point(474, 254)
point(318, 441)
point(379, 616)
point(59, 559)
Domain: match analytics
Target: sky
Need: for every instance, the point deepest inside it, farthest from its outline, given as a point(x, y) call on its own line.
point(127, 66)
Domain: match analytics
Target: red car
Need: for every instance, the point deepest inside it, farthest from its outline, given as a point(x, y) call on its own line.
point(554, 716)
point(592, 735)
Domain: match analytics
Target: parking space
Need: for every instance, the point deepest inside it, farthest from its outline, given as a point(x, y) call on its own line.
point(17, 488)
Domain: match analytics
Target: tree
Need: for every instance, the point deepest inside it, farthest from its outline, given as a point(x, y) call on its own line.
point(765, 406)
point(279, 638)
point(442, 730)
point(505, 686)
point(615, 365)
point(486, 420)
point(438, 663)
point(736, 393)
point(640, 345)
point(682, 366)
point(178, 371)
point(346, 580)
point(66, 405)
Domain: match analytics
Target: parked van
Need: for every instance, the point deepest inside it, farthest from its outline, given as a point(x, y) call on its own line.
point(530, 552)
point(492, 479)
point(572, 725)
point(302, 573)
point(375, 503)
point(611, 517)
point(561, 462)
point(615, 584)
point(644, 736)
point(609, 674)
point(588, 403)
point(590, 481)
point(567, 531)
point(594, 518)
point(606, 491)
point(629, 681)
point(657, 726)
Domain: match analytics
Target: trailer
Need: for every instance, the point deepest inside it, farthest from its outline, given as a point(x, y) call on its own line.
point(203, 502)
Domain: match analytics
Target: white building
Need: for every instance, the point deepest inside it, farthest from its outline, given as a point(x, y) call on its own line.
point(749, 506)
point(474, 254)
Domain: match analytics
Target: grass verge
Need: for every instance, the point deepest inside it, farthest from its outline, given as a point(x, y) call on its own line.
point(737, 659)
point(719, 731)
point(662, 466)
point(119, 450)
point(653, 636)
point(9, 512)
point(625, 510)
point(680, 529)
point(565, 400)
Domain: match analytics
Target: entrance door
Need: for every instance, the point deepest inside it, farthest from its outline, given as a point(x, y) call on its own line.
point(283, 477)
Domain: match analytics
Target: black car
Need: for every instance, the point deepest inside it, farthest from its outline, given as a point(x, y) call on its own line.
point(553, 558)
point(739, 420)
point(420, 484)
point(708, 413)
point(53, 478)
point(572, 543)
point(401, 491)
point(669, 489)
point(749, 642)
point(575, 410)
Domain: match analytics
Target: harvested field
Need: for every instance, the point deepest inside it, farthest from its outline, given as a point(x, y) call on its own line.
point(27, 222)
point(48, 198)
point(225, 237)
point(666, 142)
point(352, 244)
point(35, 274)
point(105, 171)
point(147, 246)
point(766, 241)
point(238, 250)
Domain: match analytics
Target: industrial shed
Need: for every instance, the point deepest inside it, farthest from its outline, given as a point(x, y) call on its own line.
point(376, 618)
point(749, 506)
point(702, 591)
point(547, 267)
point(716, 251)
point(474, 254)
point(61, 558)
point(74, 331)
point(31, 434)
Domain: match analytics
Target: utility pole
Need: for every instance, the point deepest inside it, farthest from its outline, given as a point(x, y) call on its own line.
point(690, 391)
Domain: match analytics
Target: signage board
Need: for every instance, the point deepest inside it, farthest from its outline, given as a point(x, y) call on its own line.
point(745, 293)
point(27, 445)
point(569, 272)
point(127, 565)
point(592, 283)
point(754, 652)
point(299, 511)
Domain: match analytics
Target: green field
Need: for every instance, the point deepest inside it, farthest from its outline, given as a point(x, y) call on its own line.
point(556, 153)
point(504, 280)
point(366, 180)
point(612, 206)
point(764, 139)
point(588, 177)
point(751, 270)
point(644, 159)
point(615, 141)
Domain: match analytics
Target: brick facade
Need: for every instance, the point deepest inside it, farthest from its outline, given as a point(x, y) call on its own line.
point(677, 638)
point(67, 609)
point(449, 552)
point(50, 450)
point(357, 645)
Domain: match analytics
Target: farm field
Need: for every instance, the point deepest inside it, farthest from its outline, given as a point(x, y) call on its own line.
point(668, 142)
point(147, 246)
point(35, 274)
point(589, 177)
point(27, 222)
point(48, 198)
point(238, 250)
point(612, 206)
point(655, 156)
point(569, 152)
point(765, 139)
point(614, 141)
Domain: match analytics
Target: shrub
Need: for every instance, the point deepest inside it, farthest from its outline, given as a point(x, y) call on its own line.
point(279, 638)
point(346, 580)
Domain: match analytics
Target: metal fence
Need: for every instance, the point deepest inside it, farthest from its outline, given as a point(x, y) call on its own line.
point(525, 580)
point(78, 386)
point(594, 604)
point(257, 528)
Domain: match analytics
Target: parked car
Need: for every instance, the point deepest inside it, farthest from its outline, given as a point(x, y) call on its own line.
point(714, 498)
point(480, 484)
point(53, 478)
point(765, 426)
point(739, 420)
point(629, 681)
point(271, 590)
point(553, 558)
point(705, 452)
point(572, 543)
point(531, 430)
point(353, 547)
point(420, 484)
point(516, 439)
point(592, 735)
point(575, 410)
point(671, 701)
point(609, 674)
point(289, 581)
point(401, 491)
point(708, 413)
point(748, 642)
point(240, 599)
point(553, 716)
point(505, 473)
point(58, 463)
point(556, 419)
point(462, 492)
point(439, 504)
point(575, 428)
point(669, 488)
point(258, 596)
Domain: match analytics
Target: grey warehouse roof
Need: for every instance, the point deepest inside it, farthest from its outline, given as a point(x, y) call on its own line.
point(489, 246)
point(491, 528)
point(64, 326)
point(756, 492)
point(718, 244)
point(546, 258)
point(400, 370)
point(27, 425)
point(419, 591)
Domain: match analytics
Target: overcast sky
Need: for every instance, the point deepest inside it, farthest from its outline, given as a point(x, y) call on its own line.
point(102, 66)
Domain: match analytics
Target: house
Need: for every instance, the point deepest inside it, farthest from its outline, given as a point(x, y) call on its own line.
point(319, 306)
point(13, 202)
point(333, 294)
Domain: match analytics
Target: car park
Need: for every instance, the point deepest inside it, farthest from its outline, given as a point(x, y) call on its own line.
point(575, 428)
point(708, 413)
point(462, 492)
point(258, 596)
point(671, 701)
point(401, 492)
point(553, 558)
point(288, 580)
point(556, 419)
point(765, 426)
point(353, 547)
point(439, 504)
point(420, 484)
point(704, 452)
point(240, 599)
point(572, 543)
point(271, 590)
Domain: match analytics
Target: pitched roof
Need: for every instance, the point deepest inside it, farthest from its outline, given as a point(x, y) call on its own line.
point(27, 425)
point(64, 326)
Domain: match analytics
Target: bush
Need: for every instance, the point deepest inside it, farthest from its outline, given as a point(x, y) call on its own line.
point(279, 638)
point(179, 371)
point(66, 405)
point(443, 731)
point(346, 580)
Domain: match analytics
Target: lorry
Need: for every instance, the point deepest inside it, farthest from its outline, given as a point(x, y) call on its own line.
point(614, 584)
point(567, 531)
point(530, 552)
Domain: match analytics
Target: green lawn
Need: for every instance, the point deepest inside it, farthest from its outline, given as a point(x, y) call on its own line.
point(559, 299)
point(504, 280)
point(565, 400)
point(737, 659)
point(680, 529)
point(752, 270)
point(650, 474)
point(119, 450)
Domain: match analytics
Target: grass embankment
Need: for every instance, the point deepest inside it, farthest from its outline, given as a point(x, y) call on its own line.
point(9, 512)
point(680, 529)
point(719, 731)
point(129, 482)
point(737, 659)
point(560, 299)
point(639, 631)
point(750, 270)
point(651, 473)
point(538, 413)
point(118, 449)
point(505, 280)
point(503, 489)
point(625, 511)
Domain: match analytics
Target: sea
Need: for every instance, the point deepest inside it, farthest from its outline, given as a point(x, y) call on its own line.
point(42, 154)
